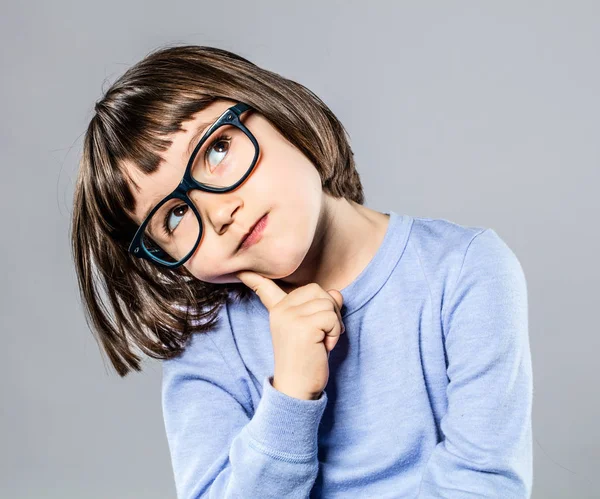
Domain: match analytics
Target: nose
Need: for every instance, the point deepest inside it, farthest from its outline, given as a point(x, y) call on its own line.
point(215, 209)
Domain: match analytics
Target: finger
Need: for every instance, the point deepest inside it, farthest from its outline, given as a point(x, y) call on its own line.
point(338, 301)
point(313, 291)
point(307, 292)
point(337, 296)
point(329, 324)
point(315, 305)
point(269, 293)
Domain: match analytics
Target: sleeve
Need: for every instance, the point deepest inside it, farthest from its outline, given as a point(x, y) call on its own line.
point(486, 447)
point(219, 449)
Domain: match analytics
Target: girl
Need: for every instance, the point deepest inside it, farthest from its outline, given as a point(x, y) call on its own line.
point(219, 210)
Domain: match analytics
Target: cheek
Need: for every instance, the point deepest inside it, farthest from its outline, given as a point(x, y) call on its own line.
point(207, 268)
point(297, 193)
point(287, 178)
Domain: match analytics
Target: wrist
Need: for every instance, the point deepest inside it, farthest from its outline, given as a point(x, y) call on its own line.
point(297, 394)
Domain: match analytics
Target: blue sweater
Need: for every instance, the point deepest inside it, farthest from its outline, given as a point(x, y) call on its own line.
point(429, 394)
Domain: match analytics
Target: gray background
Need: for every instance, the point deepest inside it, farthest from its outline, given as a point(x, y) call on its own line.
point(484, 114)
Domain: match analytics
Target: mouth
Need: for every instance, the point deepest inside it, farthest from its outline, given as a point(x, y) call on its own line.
point(254, 233)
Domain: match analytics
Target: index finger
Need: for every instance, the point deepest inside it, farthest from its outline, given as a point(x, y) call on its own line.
point(270, 294)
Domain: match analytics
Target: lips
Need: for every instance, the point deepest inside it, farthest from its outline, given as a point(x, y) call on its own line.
point(261, 219)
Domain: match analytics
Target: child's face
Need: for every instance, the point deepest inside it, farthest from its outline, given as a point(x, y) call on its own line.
point(284, 183)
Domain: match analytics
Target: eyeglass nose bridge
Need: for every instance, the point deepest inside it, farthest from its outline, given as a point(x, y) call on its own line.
point(187, 184)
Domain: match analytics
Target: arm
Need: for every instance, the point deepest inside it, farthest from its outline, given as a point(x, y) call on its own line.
point(219, 449)
point(486, 449)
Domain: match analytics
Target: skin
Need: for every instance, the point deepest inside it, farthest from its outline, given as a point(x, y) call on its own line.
point(310, 236)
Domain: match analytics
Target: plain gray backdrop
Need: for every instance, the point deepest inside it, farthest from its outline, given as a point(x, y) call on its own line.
point(482, 113)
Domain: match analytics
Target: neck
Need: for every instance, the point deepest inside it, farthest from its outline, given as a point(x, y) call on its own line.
point(347, 237)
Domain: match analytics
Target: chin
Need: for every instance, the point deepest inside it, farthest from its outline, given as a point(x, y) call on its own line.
point(285, 258)
point(281, 274)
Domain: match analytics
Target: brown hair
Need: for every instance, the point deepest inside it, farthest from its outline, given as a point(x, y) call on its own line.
point(157, 309)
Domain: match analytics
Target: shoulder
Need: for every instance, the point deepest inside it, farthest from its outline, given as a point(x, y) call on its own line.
point(446, 248)
point(204, 350)
point(440, 236)
point(441, 243)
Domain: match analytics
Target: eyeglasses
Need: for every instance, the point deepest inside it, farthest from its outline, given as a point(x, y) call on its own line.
point(222, 160)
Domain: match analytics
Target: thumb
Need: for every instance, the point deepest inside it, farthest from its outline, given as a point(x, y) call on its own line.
point(269, 293)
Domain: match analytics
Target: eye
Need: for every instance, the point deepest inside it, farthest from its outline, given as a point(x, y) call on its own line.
point(177, 211)
point(222, 141)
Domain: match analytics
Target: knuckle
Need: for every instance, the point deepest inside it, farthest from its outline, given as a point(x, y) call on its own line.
point(327, 303)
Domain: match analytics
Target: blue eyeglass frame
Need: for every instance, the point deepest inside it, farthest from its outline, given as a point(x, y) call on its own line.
point(230, 116)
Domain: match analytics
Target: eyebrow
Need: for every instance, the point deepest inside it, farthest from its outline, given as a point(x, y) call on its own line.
point(154, 202)
point(200, 130)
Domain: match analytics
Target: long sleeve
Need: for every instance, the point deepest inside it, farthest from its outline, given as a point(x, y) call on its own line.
point(486, 447)
point(219, 449)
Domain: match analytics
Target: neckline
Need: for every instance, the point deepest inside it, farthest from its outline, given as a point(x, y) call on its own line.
point(375, 274)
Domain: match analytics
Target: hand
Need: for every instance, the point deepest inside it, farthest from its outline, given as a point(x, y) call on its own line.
point(305, 326)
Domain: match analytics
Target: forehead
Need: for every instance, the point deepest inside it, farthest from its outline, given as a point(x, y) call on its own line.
point(149, 188)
